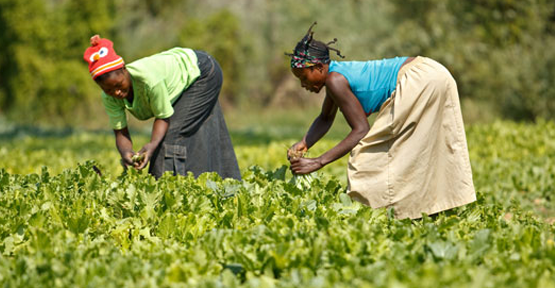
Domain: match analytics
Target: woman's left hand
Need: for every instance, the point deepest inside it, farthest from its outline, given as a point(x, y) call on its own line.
point(305, 165)
point(147, 151)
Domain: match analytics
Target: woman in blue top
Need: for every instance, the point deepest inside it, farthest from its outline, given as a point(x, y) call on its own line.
point(414, 158)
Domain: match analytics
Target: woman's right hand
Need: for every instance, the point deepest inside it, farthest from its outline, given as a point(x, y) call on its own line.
point(127, 158)
point(297, 149)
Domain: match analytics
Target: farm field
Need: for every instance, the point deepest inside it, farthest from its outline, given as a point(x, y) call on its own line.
point(64, 225)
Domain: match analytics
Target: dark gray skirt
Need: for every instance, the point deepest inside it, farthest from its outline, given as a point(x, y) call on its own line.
point(197, 139)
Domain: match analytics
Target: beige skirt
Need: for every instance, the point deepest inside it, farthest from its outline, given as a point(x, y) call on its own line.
point(415, 157)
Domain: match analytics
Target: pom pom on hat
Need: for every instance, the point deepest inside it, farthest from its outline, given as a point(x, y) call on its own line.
point(94, 40)
point(102, 57)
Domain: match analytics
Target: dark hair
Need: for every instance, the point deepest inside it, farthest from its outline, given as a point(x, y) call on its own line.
point(314, 50)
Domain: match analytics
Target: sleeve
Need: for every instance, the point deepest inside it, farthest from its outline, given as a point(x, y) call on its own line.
point(115, 110)
point(160, 101)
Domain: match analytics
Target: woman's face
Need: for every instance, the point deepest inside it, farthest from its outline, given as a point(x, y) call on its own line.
point(312, 78)
point(117, 84)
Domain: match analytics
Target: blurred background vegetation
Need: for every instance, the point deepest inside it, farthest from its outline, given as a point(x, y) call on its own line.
point(497, 50)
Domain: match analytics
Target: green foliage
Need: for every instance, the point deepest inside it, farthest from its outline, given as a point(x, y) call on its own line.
point(219, 34)
point(66, 225)
point(43, 73)
point(496, 49)
point(515, 160)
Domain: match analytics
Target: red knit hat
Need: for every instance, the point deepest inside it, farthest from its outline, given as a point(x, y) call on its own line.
point(102, 57)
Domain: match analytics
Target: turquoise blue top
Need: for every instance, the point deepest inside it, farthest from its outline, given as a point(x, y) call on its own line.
point(372, 82)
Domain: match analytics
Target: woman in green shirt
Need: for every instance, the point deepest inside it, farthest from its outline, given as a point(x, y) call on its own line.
point(179, 88)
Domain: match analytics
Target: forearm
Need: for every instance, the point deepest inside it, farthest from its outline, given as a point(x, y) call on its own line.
point(344, 147)
point(159, 129)
point(318, 129)
point(123, 141)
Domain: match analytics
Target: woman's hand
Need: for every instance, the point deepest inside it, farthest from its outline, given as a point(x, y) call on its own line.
point(147, 152)
point(127, 158)
point(300, 165)
point(297, 150)
point(159, 129)
point(305, 165)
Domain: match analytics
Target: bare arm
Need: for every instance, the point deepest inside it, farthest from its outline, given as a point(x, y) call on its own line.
point(320, 126)
point(322, 123)
point(338, 90)
point(124, 145)
point(159, 129)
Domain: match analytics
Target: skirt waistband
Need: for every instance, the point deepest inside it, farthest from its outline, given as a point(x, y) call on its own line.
point(417, 60)
point(205, 63)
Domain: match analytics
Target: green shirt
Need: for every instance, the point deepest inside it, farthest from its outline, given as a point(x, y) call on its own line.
point(158, 80)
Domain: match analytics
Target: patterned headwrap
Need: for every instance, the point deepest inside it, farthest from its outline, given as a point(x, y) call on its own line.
point(102, 57)
point(308, 53)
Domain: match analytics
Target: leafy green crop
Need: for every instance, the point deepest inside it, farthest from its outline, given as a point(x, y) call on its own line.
point(78, 228)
